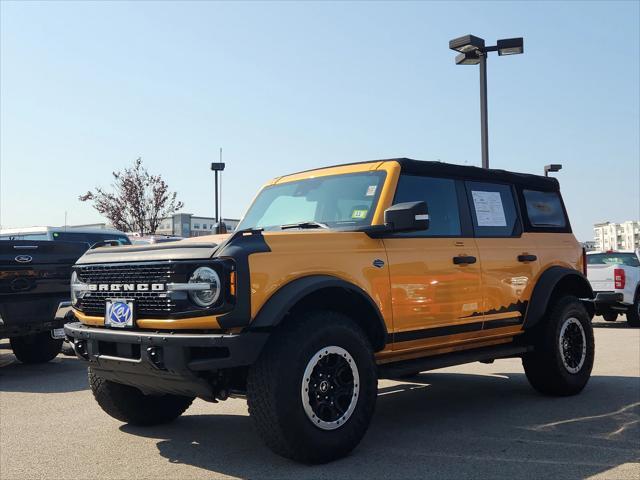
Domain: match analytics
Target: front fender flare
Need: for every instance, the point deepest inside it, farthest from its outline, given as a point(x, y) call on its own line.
point(276, 308)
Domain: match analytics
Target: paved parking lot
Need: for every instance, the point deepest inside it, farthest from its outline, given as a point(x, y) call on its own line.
point(473, 421)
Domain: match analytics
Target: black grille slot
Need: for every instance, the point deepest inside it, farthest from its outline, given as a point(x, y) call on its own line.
point(147, 303)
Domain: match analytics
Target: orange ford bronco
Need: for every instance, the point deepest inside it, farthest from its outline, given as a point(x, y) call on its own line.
point(334, 278)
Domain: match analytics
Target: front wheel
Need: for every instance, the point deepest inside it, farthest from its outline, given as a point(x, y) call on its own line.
point(313, 390)
point(36, 348)
point(130, 405)
point(610, 317)
point(563, 353)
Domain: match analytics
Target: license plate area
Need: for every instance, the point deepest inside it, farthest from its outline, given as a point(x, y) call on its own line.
point(119, 313)
point(121, 350)
point(57, 333)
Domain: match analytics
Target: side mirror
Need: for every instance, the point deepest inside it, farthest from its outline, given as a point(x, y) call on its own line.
point(407, 217)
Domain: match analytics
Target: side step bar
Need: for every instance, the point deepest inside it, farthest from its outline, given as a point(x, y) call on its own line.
point(407, 367)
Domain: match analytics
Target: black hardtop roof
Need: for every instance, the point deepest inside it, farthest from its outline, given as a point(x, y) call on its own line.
point(424, 167)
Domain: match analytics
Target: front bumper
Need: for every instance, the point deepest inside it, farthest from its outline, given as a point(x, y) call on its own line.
point(164, 362)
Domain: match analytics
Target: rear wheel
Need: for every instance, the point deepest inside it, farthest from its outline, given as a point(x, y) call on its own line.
point(610, 317)
point(36, 348)
point(130, 405)
point(633, 314)
point(313, 390)
point(563, 353)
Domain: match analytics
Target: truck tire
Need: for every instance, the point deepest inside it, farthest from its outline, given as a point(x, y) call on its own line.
point(317, 354)
point(36, 348)
point(130, 405)
point(633, 314)
point(610, 317)
point(563, 354)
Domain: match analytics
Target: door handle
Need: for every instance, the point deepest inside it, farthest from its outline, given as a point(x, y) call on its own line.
point(462, 259)
point(527, 258)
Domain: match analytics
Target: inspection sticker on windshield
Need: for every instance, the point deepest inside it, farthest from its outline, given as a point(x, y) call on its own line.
point(371, 191)
point(489, 209)
point(359, 214)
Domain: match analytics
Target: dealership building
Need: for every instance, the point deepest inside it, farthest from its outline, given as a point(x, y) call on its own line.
point(189, 225)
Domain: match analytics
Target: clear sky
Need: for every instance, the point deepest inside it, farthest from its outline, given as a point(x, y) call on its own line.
point(86, 87)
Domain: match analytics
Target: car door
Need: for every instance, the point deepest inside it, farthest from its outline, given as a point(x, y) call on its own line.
point(508, 257)
point(434, 274)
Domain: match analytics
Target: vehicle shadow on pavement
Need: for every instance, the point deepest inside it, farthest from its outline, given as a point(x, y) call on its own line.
point(60, 375)
point(442, 425)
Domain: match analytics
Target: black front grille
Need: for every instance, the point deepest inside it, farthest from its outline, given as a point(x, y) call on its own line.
point(146, 303)
point(127, 273)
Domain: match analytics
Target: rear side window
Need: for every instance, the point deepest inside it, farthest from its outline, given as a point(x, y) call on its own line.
point(442, 201)
point(493, 210)
point(544, 209)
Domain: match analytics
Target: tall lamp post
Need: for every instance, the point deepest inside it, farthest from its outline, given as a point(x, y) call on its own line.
point(217, 167)
point(472, 52)
point(554, 167)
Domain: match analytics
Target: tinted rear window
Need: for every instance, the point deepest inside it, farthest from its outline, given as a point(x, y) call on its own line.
point(612, 258)
point(90, 238)
point(544, 209)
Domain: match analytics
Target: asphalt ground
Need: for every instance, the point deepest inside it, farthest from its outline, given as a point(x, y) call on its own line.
point(472, 421)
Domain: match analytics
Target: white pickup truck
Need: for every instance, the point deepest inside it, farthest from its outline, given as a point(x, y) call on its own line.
point(615, 279)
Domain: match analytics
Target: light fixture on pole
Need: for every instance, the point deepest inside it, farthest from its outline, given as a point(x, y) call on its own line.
point(217, 167)
point(473, 52)
point(554, 167)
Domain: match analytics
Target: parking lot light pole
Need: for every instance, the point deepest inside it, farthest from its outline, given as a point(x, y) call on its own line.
point(217, 167)
point(473, 52)
point(554, 167)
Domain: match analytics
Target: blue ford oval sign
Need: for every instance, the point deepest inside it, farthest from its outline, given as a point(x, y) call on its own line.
point(24, 259)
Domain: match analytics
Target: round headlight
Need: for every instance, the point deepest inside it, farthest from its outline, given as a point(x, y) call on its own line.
point(76, 285)
point(207, 286)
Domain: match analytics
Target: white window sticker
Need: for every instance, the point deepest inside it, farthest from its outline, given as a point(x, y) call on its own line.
point(489, 209)
point(371, 191)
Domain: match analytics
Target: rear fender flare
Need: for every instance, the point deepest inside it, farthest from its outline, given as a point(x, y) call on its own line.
point(546, 287)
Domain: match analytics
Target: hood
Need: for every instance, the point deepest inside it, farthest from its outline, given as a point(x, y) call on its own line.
point(181, 250)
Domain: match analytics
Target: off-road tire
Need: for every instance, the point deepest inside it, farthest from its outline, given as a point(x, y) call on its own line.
point(633, 314)
point(36, 348)
point(130, 405)
point(610, 317)
point(274, 387)
point(544, 366)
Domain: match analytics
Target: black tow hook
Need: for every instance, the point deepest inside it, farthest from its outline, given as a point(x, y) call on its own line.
point(80, 349)
point(155, 355)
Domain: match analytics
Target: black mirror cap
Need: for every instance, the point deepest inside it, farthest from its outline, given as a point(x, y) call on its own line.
point(407, 217)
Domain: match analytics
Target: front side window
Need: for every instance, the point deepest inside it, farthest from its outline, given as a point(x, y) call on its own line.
point(544, 209)
point(335, 201)
point(493, 210)
point(442, 202)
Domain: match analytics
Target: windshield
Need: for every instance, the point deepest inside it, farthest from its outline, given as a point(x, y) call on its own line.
point(334, 201)
point(628, 259)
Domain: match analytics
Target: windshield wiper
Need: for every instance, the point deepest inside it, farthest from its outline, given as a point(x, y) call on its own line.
point(304, 225)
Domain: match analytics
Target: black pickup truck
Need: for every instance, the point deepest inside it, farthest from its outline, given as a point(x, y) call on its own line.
point(34, 295)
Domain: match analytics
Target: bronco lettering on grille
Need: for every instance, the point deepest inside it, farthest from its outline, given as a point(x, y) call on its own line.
point(126, 287)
